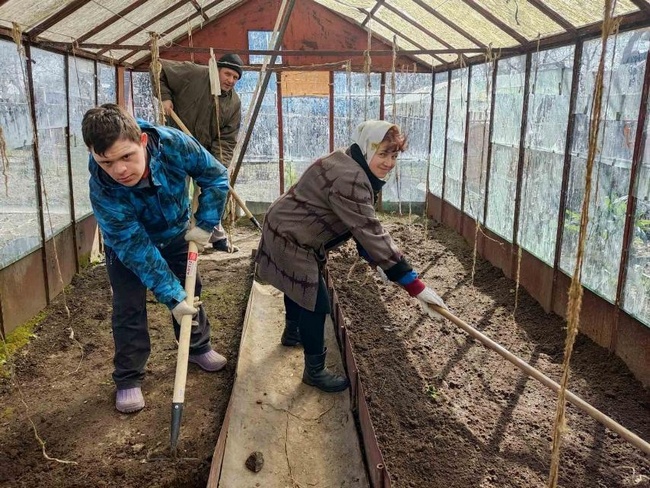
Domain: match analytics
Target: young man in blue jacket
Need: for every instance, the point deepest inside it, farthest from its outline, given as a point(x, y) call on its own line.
point(138, 192)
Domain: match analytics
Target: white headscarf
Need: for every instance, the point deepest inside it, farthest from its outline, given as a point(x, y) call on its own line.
point(369, 134)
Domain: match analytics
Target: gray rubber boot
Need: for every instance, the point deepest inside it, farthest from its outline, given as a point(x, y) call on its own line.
point(316, 374)
point(291, 334)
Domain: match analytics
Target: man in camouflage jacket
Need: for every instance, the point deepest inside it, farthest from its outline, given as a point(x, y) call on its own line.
point(185, 88)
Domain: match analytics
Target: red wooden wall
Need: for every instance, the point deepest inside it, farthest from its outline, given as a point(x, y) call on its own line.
point(311, 27)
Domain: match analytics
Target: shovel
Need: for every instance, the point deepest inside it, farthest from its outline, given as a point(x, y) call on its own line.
point(184, 340)
point(237, 198)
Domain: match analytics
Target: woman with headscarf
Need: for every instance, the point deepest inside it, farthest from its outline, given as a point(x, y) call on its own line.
point(333, 201)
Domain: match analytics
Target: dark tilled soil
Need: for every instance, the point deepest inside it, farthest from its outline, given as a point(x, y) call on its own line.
point(69, 396)
point(447, 412)
point(450, 413)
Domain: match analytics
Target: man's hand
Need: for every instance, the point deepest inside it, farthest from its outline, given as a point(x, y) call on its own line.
point(429, 297)
point(198, 236)
point(184, 308)
point(168, 106)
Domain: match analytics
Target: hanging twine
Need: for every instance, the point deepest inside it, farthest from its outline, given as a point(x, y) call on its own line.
point(189, 37)
point(575, 290)
point(17, 36)
point(367, 63)
point(4, 159)
point(156, 68)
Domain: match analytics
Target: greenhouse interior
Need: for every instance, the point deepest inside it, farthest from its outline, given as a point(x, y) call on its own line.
point(522, 197)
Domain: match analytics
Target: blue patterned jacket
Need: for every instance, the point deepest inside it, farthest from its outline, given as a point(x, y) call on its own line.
point(136, 222)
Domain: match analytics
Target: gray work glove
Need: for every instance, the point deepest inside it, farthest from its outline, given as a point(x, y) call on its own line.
point(198, 236)
point(427, 297)
point(183, 308)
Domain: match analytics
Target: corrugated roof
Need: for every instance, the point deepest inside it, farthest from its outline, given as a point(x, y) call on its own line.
point(101, 27)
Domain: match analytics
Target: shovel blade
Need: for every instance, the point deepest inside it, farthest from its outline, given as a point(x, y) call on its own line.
point(177, 415)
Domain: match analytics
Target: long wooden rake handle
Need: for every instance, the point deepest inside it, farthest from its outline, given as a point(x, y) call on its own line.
point(237, 198)
point(596, 414)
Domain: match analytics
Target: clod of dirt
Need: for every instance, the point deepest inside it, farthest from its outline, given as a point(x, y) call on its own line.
point(255, 461)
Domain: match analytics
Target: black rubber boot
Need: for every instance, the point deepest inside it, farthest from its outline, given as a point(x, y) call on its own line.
point(316, 374)
point(291, 334)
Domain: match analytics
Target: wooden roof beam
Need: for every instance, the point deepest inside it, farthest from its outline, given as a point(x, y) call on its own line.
point(369, 15)
point(56, 18)
point(497, 22)
point(450, 24)
point(642, 4)
point(406, 38)
point(174, 27)
point(111, 21)
point(416, 24)
point(149, 22)
point(200, 10)
point(553, 15)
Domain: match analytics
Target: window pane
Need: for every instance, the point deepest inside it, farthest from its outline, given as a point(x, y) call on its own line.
point(261, 40)
point(106, 88)
point(145, 105)
point(259, 177)
point(477, 139)
point(19, 224)
point(51, 119)
point(636, 295)
point(456, 135)
point(82, 98)
point(408, 105)
point(624, 69)
point(438, 133)
point(356, 99)
point(506, 134)
point(548, 115)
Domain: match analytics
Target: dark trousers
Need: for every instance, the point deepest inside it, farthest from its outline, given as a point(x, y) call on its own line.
point(311, 324)
point(129, 321)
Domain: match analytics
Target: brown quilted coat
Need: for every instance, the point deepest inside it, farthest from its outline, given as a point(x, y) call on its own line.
point(332, 201)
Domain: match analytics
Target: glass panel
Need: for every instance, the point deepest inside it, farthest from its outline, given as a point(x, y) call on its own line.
point(523, 17)
point(548, 115)
point(356, 98)
point(107, 87)
point(261, 40)
point(407, 29)
point(480, 100)
point(306, 133)
point(144, 103)
point(636, 295)
point(19, 224)
point(438, 135)
point(349, 10)
point(129, 22)
point(412, 10)
point(456, 135)
point(468, 19)
point(81, 76)
point(82, 20)
point(624, 68)
point(582, 12)
point(51, 120)
point(408, 104)
point(259, 177)
point(506, 135)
